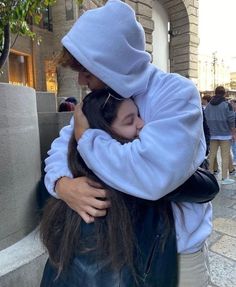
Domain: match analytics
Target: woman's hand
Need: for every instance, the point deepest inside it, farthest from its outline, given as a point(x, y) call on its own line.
point(84, 196)
point(80, 122)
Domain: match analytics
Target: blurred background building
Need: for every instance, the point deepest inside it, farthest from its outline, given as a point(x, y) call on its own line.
point(215, 70)
point(171, 29)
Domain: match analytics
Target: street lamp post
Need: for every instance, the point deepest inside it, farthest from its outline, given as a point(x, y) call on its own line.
point(214, 61)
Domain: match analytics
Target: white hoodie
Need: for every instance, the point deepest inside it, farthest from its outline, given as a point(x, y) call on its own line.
point(110, 43)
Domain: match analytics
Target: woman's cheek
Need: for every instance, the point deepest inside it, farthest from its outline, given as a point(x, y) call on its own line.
point(131, 133)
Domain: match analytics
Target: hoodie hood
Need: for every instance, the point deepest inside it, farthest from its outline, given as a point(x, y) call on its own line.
point(110, 43)
point(216, 100)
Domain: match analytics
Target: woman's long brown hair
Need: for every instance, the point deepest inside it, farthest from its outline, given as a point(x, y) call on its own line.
point(60, 226)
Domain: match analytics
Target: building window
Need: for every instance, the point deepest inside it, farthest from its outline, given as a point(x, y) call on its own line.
point(19, 69)
point(51, 78)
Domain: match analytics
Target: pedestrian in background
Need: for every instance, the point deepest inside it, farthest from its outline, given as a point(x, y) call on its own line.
point(233, 145)
point(221, 121)
point(205, 100)
point(68, 104)
point(72, 100)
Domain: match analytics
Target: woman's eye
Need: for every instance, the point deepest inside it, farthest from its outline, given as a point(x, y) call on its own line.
point(128, 122)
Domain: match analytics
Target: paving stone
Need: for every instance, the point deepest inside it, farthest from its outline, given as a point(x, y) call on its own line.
point(234, 206)
point(228, 201)
point(223, 271)
point(225, 225)
point(214, 237)
point(225, 246)
point(222, 241)
point(229, 190)
point(222, 211)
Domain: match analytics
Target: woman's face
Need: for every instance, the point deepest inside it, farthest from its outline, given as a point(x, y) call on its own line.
point(128, 122)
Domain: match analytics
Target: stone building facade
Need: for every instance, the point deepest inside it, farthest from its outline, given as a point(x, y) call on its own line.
point(31, 64)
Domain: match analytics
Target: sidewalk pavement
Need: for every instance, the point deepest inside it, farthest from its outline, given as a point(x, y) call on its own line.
point(222, 243)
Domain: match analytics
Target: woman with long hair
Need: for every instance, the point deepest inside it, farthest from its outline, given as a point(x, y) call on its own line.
point(135, 243)
point(120, 248)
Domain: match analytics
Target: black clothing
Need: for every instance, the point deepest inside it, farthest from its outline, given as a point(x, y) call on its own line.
point(216, 100)
point(206, 133)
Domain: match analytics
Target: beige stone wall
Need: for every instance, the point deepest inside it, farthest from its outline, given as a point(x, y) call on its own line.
point(183, 17)
point(42, 52)
point(143, 11)
point(184, 42)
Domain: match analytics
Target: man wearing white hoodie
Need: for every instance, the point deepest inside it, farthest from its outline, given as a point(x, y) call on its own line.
point(110, 44)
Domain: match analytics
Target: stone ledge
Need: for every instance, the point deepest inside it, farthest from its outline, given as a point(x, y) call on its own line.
point(22, 263)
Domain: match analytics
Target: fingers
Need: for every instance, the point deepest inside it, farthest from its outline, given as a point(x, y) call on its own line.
point(95, 208)
point(78, 113)
point(99, 204)
point(78, 107)
point(86, 217)
point(93, 212)
point(95, 204)
point(96, 189)
point(80, 122)
point(94, 184)
point(90, 213)
point(85, 196)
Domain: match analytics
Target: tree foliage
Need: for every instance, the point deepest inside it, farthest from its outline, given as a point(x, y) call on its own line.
point(14, 16)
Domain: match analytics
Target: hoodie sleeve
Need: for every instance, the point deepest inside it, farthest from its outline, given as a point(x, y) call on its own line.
point(170, 148)
point(56, 163)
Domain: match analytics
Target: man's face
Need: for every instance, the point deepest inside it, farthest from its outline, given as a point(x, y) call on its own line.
point(85, 78)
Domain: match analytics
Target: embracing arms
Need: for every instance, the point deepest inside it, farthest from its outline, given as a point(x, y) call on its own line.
point(170, 148)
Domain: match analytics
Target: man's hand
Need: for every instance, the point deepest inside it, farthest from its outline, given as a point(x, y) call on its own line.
point(80, 122)
point(84, 196)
